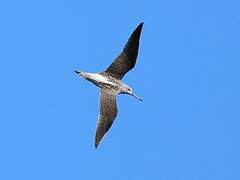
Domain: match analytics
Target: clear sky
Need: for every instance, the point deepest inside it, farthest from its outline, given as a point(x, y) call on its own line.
point(187, 72)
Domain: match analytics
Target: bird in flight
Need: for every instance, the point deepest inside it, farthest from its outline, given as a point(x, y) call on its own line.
point(110, 84)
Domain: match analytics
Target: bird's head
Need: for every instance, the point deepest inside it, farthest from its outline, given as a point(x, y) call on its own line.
point(127, 90)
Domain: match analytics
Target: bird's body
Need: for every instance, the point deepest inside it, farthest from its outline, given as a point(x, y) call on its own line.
point(110, 84)
point(99, 79)
point(102, 80)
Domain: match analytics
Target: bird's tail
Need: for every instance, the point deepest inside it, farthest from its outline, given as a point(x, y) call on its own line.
point(83, 74)
point(78, 72)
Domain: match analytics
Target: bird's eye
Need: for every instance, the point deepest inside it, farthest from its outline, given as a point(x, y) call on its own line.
point(129, 89)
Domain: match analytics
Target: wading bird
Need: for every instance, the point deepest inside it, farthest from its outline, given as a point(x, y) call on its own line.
point(110, 84)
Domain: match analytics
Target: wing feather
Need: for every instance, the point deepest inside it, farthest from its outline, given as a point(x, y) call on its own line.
point(127, 58)
point(108, 113)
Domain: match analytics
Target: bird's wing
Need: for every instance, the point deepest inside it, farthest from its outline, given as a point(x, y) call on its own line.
point(127, 59)
point(108, 112)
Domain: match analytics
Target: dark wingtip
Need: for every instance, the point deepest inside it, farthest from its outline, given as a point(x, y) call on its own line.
point(140, 25)
point(96, 145)
point(138, 29)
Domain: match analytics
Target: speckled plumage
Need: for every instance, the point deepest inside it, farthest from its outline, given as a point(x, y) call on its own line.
point(111, 85)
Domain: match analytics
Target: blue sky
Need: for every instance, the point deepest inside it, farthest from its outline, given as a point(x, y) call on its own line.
point(187, 127)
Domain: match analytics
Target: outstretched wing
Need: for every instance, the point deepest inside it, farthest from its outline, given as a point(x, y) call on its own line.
point(127, 59)
point(108, 112)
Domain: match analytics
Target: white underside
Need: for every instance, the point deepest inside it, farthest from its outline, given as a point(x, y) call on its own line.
point(99, 78)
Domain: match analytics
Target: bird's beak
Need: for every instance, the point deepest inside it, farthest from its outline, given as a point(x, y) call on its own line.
point(137, 97)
